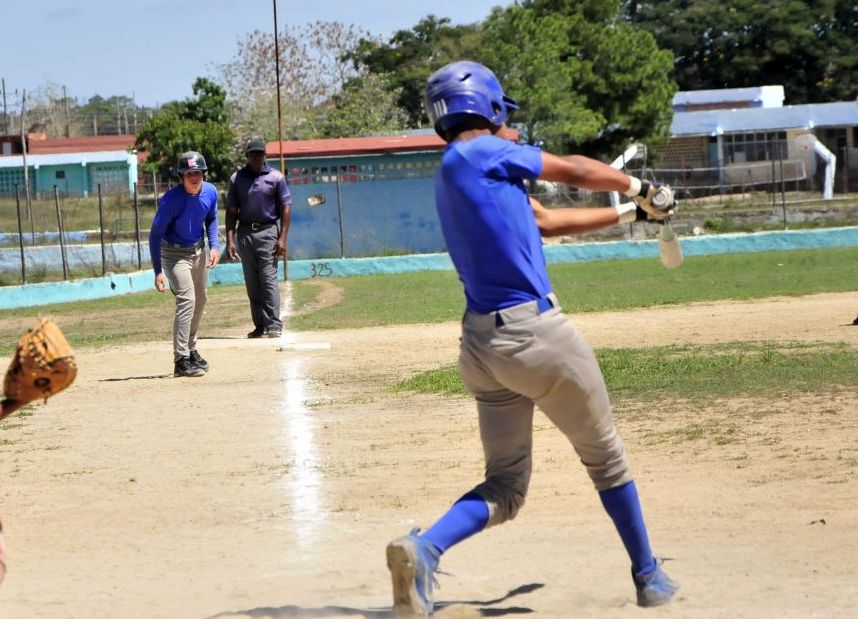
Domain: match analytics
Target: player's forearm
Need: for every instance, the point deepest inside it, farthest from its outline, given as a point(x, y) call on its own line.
point(231, 219)
point(579, 171)
point(560, 221)
point(212, 232)
point(285, 221)
point(155, 237)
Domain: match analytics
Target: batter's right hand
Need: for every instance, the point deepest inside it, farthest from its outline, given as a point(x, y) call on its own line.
point(230, 249)
point(160, 283)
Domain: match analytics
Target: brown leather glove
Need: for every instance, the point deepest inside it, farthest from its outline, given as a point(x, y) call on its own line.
point(42, 366)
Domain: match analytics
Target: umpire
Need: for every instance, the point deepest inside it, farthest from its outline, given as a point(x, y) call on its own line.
point(260, 203)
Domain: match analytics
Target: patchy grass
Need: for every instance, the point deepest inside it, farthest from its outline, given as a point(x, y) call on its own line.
point(436, 296)
point(698, 374)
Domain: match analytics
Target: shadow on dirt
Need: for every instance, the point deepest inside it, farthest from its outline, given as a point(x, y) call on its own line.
point(285, 612)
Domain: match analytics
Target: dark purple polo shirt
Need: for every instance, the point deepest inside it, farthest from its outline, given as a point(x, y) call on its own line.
point(258, 197)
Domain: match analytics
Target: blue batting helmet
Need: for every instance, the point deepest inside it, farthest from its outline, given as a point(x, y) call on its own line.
point(465, 89)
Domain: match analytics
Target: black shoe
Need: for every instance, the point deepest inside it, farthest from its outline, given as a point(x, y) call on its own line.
point(855, 322)
point(198, 361)
point(185, 367)
point(258, 332)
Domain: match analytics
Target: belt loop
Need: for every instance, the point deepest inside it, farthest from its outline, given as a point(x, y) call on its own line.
point(544, 304)
point(498, 319)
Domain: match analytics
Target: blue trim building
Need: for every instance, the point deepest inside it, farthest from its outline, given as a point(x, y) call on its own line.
point(358, 197)
point(74, 174)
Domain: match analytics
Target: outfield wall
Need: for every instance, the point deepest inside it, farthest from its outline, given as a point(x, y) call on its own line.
point(32, 295)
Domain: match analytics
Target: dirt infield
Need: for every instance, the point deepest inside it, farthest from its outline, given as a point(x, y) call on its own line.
point(270, 487)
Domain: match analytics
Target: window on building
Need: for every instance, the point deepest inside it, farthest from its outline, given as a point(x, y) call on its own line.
point(747, 147)
point(10, 177)
point(60, 175)
point(835, 139)
point(112, 178)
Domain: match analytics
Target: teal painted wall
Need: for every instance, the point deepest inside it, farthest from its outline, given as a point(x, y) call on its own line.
point(80, 179)
point(74, 183)
point(374, 205)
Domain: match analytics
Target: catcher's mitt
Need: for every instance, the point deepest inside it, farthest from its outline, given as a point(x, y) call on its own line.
point(42, 366)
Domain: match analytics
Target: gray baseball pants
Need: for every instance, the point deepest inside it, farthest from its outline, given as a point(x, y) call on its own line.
point(526, 358)
point(186, 271)
point(256, 250)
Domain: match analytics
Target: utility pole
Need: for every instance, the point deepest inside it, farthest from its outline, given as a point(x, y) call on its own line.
point(277, 80)
point(5, 112)
point(66, 106)
point(134, 102)
point(280, 127)
point(26, 168)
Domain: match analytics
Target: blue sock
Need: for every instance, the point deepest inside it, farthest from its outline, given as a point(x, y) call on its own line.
point(466, 517)
point(624, 508)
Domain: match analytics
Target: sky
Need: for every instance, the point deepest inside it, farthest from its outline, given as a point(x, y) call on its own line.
point(154, 49)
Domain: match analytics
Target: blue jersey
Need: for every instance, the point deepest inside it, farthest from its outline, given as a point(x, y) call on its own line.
point(180, 219)
point(488, 223)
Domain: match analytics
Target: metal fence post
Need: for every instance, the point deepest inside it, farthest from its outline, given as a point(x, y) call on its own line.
point(155, 190)
point(340, 218)
point(137, 229)
point(783, 193)
point(20, 236)
point(101, 231)
point(62, 233)
point(774, 186)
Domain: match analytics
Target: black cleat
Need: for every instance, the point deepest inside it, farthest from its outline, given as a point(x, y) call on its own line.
point(258, 332)
point(185, 367)
point(855, 322)
point(198, 361)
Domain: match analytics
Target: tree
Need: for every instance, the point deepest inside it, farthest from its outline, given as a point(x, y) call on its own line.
point(110, 116)
point(810, 48)
point(411, 56)
point(366, 106)
point(586, 80)
point(837, 24)
point(45, 111)
point(199, 123)
point(312, 70)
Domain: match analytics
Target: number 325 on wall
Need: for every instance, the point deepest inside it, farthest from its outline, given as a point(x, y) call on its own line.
point(320, 269)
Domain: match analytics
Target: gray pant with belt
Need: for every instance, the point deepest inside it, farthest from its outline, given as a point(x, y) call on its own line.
point(256, 250)
point(185, 268)
point(525, 357)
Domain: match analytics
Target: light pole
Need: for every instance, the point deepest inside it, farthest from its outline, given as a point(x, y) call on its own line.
point(280, 126)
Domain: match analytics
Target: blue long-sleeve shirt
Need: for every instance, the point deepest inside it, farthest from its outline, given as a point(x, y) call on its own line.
point(180, 219)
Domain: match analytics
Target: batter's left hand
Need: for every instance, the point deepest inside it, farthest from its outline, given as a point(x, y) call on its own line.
point(280, 247)
point(213, 258)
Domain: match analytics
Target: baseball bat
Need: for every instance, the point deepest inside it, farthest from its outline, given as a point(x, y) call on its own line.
point(668, 247)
